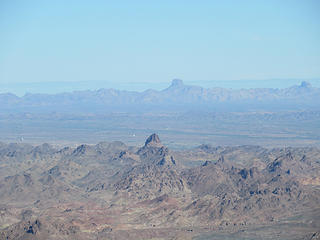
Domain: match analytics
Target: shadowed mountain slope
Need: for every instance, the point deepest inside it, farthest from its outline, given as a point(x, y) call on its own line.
point(101, 191)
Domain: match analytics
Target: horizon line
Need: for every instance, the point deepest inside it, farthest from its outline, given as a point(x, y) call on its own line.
point(164, 86)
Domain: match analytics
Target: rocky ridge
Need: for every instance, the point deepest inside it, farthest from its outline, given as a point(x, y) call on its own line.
point(98, 191)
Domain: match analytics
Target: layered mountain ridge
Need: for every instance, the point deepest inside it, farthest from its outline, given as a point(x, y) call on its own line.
point(101, 191)
point(177, 94)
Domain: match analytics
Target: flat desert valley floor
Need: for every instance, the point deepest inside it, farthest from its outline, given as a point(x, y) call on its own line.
point(178, 130)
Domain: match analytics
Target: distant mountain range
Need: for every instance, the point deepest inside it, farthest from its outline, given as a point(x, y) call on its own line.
point(176, 96)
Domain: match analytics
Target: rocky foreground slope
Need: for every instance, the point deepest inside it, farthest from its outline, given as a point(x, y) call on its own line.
point(112, 191)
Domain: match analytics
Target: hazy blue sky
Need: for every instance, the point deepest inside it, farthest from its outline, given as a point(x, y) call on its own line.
point(155, 41)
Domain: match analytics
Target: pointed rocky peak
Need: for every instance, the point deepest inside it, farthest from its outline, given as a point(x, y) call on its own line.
point(177, 83)
point(305, 84)
point(153, 140)
point(154, 153)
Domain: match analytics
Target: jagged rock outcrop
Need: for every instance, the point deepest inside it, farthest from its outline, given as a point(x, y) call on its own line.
point(153, 152)
point(109, 189)
point(156, 175)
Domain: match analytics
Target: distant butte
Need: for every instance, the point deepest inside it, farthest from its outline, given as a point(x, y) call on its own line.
point(305, 84)
point(177, 83)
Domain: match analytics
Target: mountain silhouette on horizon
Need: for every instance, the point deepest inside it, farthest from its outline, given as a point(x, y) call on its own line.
point(177, 94)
